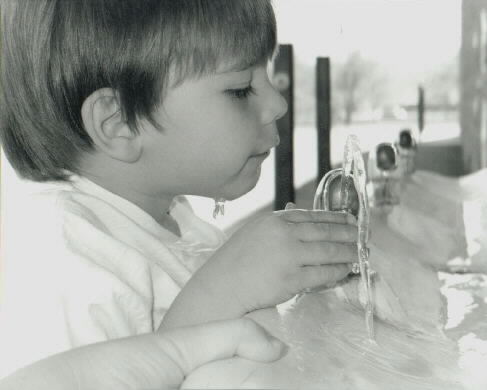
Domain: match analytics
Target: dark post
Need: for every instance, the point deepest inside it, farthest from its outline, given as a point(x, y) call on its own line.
point(323, 114)
point(283, 80)
point(420, 109)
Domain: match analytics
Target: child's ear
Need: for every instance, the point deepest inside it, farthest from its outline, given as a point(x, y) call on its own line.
point(107, 128)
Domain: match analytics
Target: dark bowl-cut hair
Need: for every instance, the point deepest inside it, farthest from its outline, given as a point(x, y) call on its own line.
point(55, 53)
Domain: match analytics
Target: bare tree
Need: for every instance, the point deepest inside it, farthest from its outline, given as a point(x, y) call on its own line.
point(358, 81)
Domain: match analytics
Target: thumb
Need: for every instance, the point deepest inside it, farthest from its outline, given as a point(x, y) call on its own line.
point(191, 347)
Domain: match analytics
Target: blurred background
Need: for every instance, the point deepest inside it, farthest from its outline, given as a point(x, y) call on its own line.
point(380, 51)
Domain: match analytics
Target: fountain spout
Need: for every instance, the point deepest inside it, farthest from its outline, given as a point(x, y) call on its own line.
point(383, 176)
point(407, 148)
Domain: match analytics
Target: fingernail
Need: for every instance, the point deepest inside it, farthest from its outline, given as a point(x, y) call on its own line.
point(290, 206)
point(280, 345)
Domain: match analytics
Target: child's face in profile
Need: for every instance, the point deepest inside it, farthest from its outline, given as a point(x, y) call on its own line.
point(217, 131)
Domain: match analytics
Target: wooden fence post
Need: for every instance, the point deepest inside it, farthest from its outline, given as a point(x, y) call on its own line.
point(323, 114)
point(421, 109)
point(283, 80)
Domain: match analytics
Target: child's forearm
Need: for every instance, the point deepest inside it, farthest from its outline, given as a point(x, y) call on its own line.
point(206, 297)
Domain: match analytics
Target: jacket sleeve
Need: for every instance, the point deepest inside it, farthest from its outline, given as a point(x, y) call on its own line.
point(56, 297)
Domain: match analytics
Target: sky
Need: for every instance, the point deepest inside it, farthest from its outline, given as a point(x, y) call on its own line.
point(403, 35)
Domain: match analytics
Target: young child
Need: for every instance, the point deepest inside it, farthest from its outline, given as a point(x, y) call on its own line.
point(117, 108)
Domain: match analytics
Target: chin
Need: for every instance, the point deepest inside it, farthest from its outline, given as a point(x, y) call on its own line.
point(242, 187)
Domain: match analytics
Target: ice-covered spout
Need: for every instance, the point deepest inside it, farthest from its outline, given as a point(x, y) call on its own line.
point(407, 148)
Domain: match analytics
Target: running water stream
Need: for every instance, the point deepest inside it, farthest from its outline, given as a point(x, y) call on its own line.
point(354, 167)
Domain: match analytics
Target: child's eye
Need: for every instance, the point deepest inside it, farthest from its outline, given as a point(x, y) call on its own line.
point(241, 93)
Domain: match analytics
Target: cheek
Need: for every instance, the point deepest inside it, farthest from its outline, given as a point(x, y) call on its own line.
point(220, 157)
point(233, 136)
point(217, 137)
point(227, 160)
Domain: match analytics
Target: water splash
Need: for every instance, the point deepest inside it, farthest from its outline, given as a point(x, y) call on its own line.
point(219, 208)
point(353, 166)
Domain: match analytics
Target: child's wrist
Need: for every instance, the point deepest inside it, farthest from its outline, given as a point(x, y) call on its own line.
point(220, 285)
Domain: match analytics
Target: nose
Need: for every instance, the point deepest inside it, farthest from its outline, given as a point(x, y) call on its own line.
point(276, 106)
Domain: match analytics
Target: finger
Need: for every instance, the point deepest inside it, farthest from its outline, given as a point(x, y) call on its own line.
point(321, 275)
point(336, 232)
point(322, 253)
point(301, 215)
point(194, 346)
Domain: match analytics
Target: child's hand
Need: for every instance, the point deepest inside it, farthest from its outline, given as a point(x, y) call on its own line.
point(281, 254)
point(265, 263)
